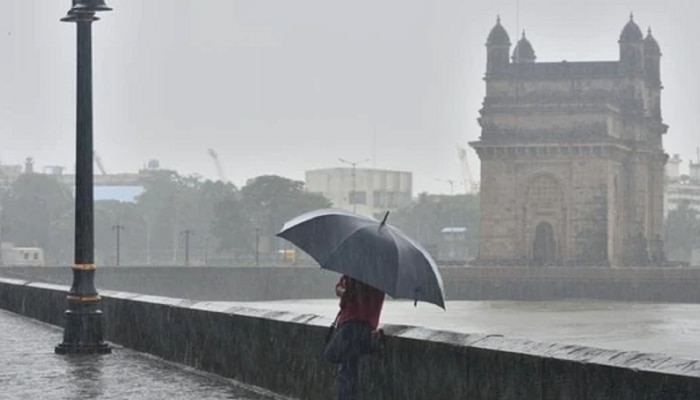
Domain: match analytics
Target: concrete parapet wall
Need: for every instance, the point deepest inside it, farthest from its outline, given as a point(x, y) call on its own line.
point(281, 352)
point(199, 283)
point(665, 285)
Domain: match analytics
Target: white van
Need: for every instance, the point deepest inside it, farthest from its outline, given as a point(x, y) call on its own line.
point(23, 256)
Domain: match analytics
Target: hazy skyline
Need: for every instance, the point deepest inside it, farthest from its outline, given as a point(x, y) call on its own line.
point(279, 87)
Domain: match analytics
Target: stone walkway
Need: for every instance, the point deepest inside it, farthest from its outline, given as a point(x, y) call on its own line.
point(29, 369)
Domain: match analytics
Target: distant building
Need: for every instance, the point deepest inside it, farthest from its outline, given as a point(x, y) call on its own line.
point(680, 187)
point(695, 258)
point(9, 174)
point(453, 245)
point(572, 163)
point(123, 187)
point(122, 179)
point(21, 256)
point(123, 194)
point(366, 191)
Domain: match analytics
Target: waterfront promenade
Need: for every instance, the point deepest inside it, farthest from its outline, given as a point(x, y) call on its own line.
point(29, 369)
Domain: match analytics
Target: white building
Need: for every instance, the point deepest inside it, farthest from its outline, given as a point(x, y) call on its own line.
point(681, 187)
point(21, 256)
point(9, 174)
point(376, 190)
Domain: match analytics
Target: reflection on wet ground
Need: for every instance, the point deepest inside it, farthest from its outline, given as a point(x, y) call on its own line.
point(672, 329)
point(29, 369)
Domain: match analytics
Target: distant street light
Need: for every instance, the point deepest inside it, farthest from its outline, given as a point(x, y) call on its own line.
point(187, 233)
point(147, 221)
point(450, 232)
point(118, 228)
point(83, 325)
point(451, 182)
point(257, 247)
point(353, 194)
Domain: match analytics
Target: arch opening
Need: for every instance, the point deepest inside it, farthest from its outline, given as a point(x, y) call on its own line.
point(544, 245)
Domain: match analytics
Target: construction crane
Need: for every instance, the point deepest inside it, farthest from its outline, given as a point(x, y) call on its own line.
point(470, 185)
point(98, 161)
point(217, 163)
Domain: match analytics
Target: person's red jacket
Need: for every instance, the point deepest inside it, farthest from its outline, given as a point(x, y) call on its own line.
point(359, 302)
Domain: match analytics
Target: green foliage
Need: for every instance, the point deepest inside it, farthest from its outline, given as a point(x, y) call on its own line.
point(134, 232)
point(270, 201)
point(682, 231)
point(38, 211)
point(232, 227)
point(172, 204)
point(424, 219)
point(35, 209)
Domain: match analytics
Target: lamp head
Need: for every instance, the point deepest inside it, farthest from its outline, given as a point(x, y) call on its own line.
point(84, 10)
point(90, 6)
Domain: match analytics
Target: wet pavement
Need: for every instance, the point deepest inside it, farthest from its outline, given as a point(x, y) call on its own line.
point(672, 329)
point(29, 369)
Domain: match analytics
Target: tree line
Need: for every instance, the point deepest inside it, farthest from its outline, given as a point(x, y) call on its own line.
point(219, 219)
point(208, 222)
point(682, 233)
point(227, 225)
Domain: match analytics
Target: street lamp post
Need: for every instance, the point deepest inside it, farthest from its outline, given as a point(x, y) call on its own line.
point(451, 182)
point(206, 250)
point(257, 247)
point(118, 228)
point(450, 232)
point(353, 194)
point(83, 325)
point(148, 239)
point(187, 233)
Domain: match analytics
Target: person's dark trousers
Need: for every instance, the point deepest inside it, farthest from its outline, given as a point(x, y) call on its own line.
point(349, 341)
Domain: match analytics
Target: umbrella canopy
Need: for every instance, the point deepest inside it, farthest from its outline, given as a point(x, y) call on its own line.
point(368, 250)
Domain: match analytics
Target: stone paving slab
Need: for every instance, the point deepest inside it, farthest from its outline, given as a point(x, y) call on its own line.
point(29, 369)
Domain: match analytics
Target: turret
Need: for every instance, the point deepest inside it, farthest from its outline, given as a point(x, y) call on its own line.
point(652, 60)
point(652, 68)
point(28, 165)
point(497, 48)
point(523, 52)
point(631, 49)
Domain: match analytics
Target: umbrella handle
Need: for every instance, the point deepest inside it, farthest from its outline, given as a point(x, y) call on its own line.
point(415, 294)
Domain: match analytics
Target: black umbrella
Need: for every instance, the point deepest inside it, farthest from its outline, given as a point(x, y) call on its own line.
point(368, 250)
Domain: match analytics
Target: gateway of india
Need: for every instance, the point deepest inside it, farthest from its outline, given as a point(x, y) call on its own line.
point(572, 163)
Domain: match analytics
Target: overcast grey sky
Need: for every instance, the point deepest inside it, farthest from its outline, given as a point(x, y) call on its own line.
point(278, 87)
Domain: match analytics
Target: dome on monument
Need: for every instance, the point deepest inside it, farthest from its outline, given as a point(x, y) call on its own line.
point(631, 32)
point(498, 35)
point(523, 51)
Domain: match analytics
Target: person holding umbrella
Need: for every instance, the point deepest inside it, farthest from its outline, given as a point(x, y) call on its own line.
point(374, 259)
point(355, 332)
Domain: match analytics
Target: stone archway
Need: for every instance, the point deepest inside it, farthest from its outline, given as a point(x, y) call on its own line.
point(544, 246)
point(544, 220)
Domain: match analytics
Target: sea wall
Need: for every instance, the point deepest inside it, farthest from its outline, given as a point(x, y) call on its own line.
point(663, 285)
point(281, 352)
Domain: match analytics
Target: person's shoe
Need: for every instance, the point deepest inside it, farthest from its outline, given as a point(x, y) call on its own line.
point(377, 341)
